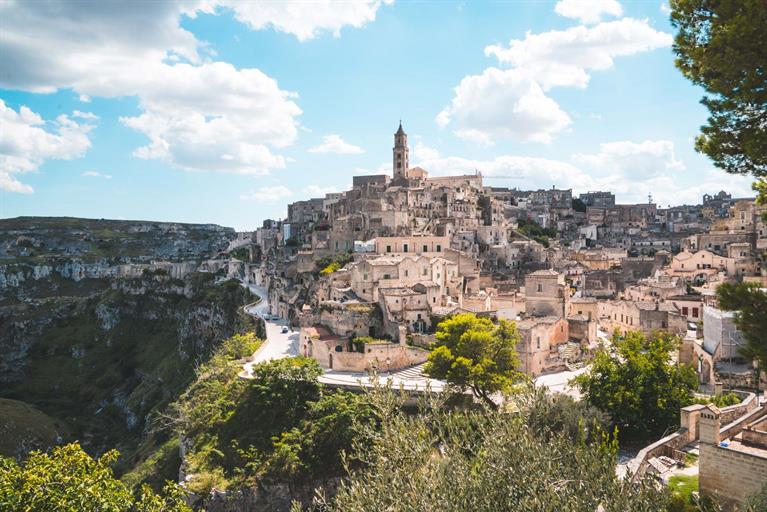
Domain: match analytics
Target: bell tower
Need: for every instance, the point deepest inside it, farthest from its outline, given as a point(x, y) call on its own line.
point(400, 154)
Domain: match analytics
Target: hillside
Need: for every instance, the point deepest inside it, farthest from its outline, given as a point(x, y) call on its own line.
point(102, 324)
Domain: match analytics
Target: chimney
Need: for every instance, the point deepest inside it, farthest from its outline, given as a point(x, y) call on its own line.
point(709, 425)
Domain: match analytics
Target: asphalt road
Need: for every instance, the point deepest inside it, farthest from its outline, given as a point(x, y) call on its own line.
point(277, 344)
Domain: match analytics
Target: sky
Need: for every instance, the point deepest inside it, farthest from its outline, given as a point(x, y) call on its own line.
point(225, 111)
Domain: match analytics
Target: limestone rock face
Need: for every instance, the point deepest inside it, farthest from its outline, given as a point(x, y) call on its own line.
point(101, 321)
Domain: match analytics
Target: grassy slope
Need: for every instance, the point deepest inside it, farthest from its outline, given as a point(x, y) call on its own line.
point(26, 427)
point(142, 362)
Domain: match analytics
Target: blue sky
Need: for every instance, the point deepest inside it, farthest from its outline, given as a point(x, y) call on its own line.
point(221, 111)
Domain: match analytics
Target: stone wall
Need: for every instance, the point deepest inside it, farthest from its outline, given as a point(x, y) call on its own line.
point(732, 475)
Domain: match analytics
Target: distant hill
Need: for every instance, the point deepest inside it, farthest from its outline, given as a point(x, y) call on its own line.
point(27, 238)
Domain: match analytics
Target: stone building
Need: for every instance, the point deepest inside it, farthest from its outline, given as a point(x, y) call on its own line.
point(342, 354)
point(546, 294)
point(540, 339)
point(731, 467)
point(646, 317)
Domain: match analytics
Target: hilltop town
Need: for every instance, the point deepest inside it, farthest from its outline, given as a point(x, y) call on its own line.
point(384, 261)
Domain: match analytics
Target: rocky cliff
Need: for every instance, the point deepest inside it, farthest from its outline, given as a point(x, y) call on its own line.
point(102, 322)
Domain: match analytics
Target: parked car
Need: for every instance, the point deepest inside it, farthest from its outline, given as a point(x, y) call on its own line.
point(692, 326)
point(285, 329)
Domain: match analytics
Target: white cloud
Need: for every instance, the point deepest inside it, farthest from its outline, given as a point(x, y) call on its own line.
point(305, 20)
point(384, 168)
point(319, 190)
point(635, 160)
point(503, 103)
point(268, 194)
point(88, 116)
point(333, 143)
point(27, 141)
point(563, 57)
point(588, 11)
point(197, 114)
point(665, 8)
point(513, 102)
point(513, 171)
point(96, 174)
point(630, 170)
point(423, 152)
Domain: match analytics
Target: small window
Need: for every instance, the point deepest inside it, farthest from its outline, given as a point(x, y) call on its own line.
point(425, 248)
point(538, 341)
point(404, 248)
point(426, 271)
point(388, 248)
point(439, 247)
point(540, 287)
point(695, 312)
point(406, 273)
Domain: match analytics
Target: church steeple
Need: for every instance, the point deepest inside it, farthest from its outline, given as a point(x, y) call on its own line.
point(400, 153)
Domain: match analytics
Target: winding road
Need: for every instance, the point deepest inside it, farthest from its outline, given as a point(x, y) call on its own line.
point(277, 344)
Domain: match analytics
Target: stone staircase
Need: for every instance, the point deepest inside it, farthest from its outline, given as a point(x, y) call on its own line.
point(411, 373)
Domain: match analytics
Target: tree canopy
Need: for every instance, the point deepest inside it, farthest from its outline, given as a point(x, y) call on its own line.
point(473, 353)
point(722, 46)
point(639, 385)
point(67, 479)
point(445, 460)
point(750, 304)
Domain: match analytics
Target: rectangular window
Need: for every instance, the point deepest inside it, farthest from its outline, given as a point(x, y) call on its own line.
point(425, 248)
point(439, 248)
point(685, 311)
point(695, 312)
point(404, 248)
point(426, 271)
point(388, 248)
point(540, 287)
point(538, 341)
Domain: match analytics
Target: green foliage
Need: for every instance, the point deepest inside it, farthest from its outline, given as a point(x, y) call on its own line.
point(146, 355)
point(721, 47)
point(546, 412)
point(724, 400)
point(330, 264)
point(314, 448)
point(68, 480)
point(484, 461)
point(241, 253)
point(639, 386)
point(579, 205)
point(750, 304)
point(473, 353)
point(534, 230)
point(682, 487)
point(281, 424)
point(757, 502)
point(292, 242)
point(360, 341)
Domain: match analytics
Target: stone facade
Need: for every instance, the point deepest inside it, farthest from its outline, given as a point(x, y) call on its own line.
point(731, 471)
